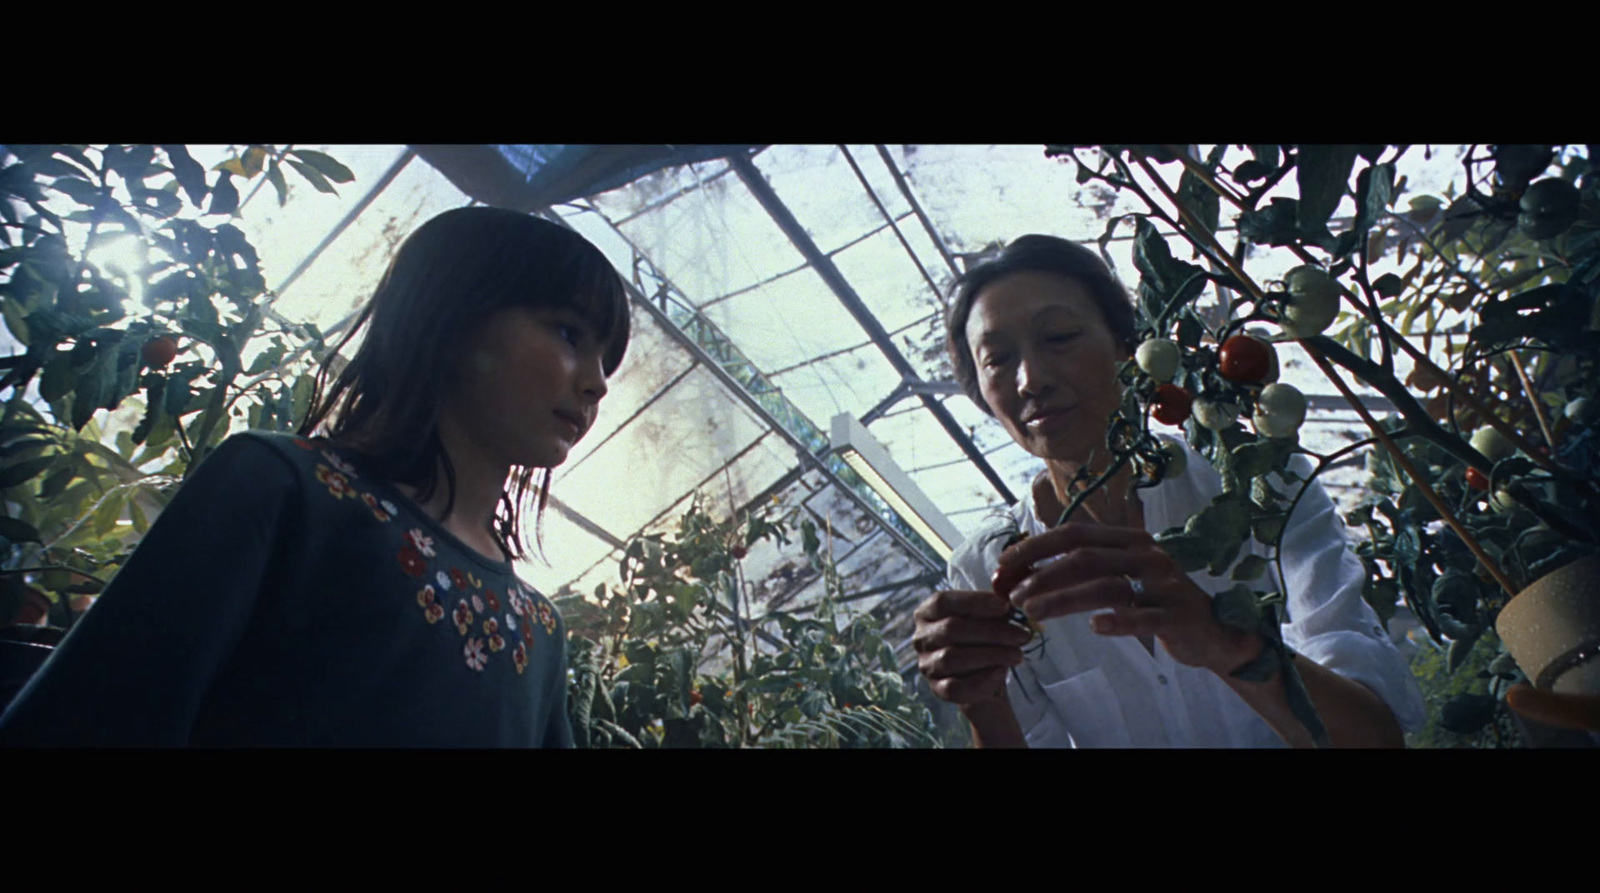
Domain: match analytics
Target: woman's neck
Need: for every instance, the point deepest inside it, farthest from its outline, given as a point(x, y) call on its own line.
point(1115, 504)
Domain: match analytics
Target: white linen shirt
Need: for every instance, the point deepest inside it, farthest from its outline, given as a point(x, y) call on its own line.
point(1082, 689)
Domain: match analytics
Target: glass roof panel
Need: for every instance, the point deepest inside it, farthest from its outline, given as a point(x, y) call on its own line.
point(818, 187)
point(660, 456)
point(345, 274)
point(713, 241)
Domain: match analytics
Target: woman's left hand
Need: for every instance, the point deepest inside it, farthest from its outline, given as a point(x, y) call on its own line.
point(1097, 568)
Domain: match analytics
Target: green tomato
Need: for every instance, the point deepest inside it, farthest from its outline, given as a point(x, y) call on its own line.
point(1313, 301)
point(1492, 444)
point(1548, 208)
point(1159, 358)
point(1214, 415)
point(1177, 459)
point(1280, 410)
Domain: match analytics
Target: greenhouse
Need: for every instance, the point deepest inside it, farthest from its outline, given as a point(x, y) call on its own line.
point(788, 362)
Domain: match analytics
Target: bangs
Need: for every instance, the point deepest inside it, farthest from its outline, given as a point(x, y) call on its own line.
point(582, 281)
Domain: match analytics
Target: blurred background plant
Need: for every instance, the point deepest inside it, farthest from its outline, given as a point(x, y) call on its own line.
point(149, 336)
point(676, 656)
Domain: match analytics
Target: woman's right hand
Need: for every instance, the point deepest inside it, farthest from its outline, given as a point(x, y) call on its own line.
point(965, 646)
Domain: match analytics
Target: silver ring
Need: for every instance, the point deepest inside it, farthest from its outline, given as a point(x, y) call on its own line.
point(1137, 585)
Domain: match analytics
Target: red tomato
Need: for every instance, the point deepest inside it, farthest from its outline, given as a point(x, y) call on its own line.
point(1172, 404)
point(159, 351)
point(1006, 577)
point(695, 698)
point(1477, 479)
point(1245, 359)
point(738, 552)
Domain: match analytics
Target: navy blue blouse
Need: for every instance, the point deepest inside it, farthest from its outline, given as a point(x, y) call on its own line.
point(286, 598)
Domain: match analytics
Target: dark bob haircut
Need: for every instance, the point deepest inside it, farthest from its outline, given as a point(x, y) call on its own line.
point(448, 277)
point(1035, 254)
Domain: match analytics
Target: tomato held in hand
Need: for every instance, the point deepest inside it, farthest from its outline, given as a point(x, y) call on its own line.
point(1245, 359)
point(159, 351)
point(1172, 404)
point(738, 552)
point(1477, 480)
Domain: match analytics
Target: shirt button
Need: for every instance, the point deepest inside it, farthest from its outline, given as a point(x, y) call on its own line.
point(1378, 630)
point(1162, 679)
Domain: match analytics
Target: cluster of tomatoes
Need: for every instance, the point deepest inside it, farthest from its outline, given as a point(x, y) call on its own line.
point(1310, 304)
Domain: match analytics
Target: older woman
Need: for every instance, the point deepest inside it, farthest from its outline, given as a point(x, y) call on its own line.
point(1132, 654)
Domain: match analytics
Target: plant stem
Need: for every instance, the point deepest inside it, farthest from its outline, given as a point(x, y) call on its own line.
point(52, 567)
point(1204, 176)
point(1532, 397)
point(1411, 472)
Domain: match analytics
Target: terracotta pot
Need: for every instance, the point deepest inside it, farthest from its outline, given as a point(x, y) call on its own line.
point(1552, 628)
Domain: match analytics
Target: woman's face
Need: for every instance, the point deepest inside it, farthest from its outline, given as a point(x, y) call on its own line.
point(528, 385)
point(1046, 363)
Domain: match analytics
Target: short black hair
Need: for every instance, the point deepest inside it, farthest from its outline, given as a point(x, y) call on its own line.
point(1035, 253)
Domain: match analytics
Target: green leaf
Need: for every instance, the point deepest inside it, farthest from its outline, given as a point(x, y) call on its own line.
point(1388, 286)
point(1189, 552)
point(24, 471)
point(18, 531)
point(188, 172)
point(13, 313)
point(1374, 194)
point(224, 196)
point(1238, 607)
point(78, 189)
point(1199, 199)
point(1250, 567)
point(57, 482)
point(251, 161)
point(314, 177)
point(1323, 173)
point(325, 165)
point(268, 358)
point(275, 177)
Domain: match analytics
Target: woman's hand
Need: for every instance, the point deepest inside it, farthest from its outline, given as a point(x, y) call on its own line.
point(1097, 568)
point(1581, 712)
point(965, 645)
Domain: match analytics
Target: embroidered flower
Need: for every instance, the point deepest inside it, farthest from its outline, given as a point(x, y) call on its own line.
point(476, 583)
point(444, 581)
point(373, 504)
point(344, 467)
point(337, 483)
point(527, 634)
point(517, 604)
point(457, 577)
point(496, 643)
point(475, 656)
point(547, 617)
point(491, 626)
point(477, 604)
point(388, 507)
point(434, 613)
point(492, 601)
point(421, 541)
point(519, 656)
point(411, 562)
point(511, 623)
point(425, 596)
point(463, 616)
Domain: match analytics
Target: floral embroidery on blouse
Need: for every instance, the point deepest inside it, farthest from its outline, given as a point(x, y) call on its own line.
point(511, 623)
point(426, 596)
point(411, 561)
point(444, 581)
point(373, 503)
point(457, 577)
point(344, 467)
point(337, 483)
point(304, 444)
point(491, 626)
point(463, 616)
point(477, 604)
point(491, 600)
point(519, 656)
point(496, 643)
point(475, 656)
point(547, 617)
point(420, 541)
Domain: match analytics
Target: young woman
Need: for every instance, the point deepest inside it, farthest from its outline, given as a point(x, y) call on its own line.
point(1132, 654)
point(356, 589)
